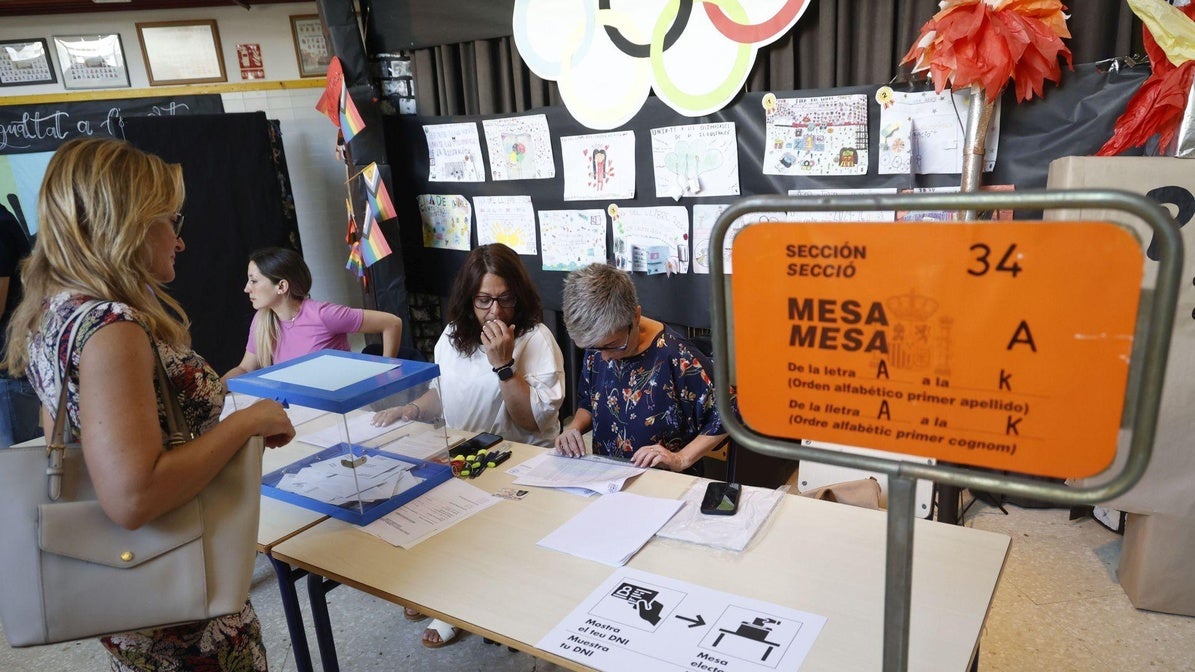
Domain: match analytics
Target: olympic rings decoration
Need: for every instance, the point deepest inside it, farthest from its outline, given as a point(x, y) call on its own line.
point(756, 33)
point(605, 75)
point(643, 50)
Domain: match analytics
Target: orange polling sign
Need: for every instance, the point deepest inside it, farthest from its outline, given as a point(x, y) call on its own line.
point(993, 344)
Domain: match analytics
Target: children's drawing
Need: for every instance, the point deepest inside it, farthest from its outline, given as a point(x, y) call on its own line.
point(695, 160)
point(841, 215)
point(924, 133)
point(651, 240)
point(599, 166)
point(454, 153)
point(825, 135)
point(446, 220)
point(572, 239)
point(704, 217)
point(520, 148)
point(509, 220)
point(951, 215)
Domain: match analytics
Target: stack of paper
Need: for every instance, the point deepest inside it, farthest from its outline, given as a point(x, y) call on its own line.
point(591, 473)
point(330, 481)
point(729, 532)
point(432, 512)
point(613, 528)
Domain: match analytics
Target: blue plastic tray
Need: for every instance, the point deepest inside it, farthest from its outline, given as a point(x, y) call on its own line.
point(432, 473)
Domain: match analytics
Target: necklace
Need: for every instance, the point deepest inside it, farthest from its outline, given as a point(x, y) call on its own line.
point(290, 322)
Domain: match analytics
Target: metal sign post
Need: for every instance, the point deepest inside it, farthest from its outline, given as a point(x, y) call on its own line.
point(1057, 447)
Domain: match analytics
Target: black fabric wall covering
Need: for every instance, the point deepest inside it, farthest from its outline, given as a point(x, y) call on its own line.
point(234, 205)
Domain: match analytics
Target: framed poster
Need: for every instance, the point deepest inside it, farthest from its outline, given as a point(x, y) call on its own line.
point(310, 46)
point(182, 52)
point(91, 61)
point(25, 62)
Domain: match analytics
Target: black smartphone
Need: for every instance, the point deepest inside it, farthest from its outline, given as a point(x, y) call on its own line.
point(721, 499)
point(475, 443)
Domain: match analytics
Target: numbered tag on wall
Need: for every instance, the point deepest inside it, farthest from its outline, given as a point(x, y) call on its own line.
point(994, 344)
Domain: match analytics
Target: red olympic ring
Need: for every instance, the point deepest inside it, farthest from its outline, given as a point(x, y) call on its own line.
point(755, 32)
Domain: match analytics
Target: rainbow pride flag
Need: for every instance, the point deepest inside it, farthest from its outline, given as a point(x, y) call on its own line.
point(374, 246)
point(351, 122)
point(355, 263)
point(375, 191)
point(329, 102)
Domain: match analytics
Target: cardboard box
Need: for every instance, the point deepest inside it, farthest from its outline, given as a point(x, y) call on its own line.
point(1155, 563)
point(1166, 486)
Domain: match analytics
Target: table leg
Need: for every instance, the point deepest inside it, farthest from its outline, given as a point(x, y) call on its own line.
point(287, 576)
point(948, 512)
point(317, 591)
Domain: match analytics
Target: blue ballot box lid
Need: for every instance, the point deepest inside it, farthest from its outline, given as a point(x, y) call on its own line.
point(333, 380)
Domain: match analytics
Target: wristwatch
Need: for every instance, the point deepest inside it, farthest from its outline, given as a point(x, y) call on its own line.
point(506, 371)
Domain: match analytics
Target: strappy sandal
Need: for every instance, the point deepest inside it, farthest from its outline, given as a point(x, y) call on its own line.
point(412, 615)
point(447, 633)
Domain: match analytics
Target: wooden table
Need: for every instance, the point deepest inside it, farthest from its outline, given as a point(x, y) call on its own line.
point(814, 556)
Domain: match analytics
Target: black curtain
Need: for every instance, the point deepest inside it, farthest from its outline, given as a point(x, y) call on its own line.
point(235, 204)
point(836, 43)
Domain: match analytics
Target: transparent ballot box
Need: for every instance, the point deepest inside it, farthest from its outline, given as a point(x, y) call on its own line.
point(375, 443)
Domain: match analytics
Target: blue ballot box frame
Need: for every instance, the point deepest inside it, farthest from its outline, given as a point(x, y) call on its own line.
point(405, 375)
point(431, 473)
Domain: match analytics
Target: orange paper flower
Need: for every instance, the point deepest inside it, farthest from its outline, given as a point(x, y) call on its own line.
point(1158, 105)
point(987, 42)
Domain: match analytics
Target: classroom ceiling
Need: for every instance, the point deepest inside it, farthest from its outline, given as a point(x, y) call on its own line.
point(32, 7)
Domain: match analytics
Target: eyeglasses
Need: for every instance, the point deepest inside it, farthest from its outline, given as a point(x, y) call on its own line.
point(617, 348)
point(484, 301)
point(176, 223)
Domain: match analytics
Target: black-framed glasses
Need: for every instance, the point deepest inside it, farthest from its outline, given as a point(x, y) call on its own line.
point(484, 301)
point(617, 348)
point(176, 223)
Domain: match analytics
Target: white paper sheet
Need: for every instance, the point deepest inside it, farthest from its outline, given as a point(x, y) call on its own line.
point(379, 477)
point(613, 528)
point(360, 429)
point(592, 473)
point(432, 512)
point(330, 372)
point(729, 532)
point(640, 621)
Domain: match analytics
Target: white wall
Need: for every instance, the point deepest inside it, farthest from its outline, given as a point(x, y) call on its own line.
point(317, 176)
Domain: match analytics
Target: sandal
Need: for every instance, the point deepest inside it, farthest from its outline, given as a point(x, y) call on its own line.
point(412, 615)
point(445, 631)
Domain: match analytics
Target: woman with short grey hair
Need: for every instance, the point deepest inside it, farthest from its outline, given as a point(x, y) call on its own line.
point(644, 390)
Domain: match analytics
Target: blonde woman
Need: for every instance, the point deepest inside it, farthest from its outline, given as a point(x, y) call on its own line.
point(289, 323)
point(110, 228)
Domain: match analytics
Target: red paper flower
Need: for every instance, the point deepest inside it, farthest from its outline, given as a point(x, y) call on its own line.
point(987, 42)
point(1158, 105)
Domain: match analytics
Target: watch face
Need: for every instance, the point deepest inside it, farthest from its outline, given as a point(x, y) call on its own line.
point(506, 374)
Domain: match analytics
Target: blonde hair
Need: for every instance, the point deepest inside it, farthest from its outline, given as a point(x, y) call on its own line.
point(95, 208)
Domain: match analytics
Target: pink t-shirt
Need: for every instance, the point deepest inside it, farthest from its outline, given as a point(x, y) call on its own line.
point(318, 326)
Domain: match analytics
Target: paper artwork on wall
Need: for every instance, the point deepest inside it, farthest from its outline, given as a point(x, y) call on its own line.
point(695, 160)
point(454, 153)
point(447, 219)
point(572, 239)
point(950, 215)
point(520, 148)
point(924, 133)
point(607, 59)
point(823, 135)
point(509, 220)
point(651, 240)
point(704, 217)
point(599, 166)
point(841, 215)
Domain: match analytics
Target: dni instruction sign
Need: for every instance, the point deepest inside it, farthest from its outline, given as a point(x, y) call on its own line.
point(1002, 345)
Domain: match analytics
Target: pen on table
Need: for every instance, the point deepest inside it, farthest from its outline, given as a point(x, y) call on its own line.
point(498, 459)
point(480, 465)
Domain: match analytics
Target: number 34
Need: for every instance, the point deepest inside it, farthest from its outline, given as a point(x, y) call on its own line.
point(983, 253)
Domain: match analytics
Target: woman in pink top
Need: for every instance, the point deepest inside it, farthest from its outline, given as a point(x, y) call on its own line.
point(290, 324)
